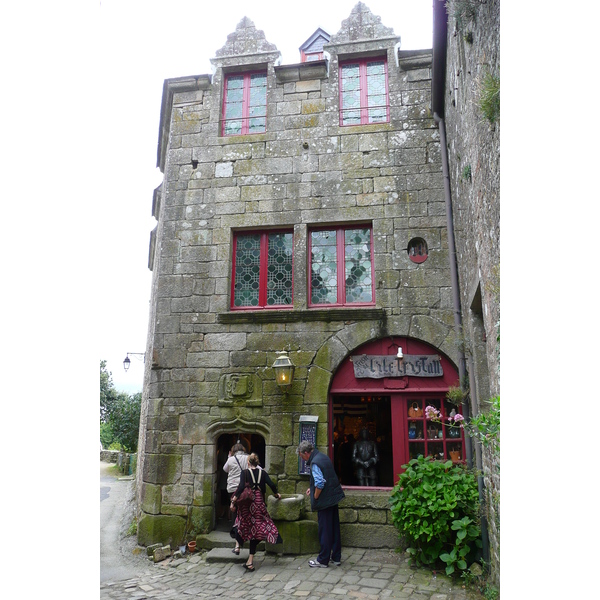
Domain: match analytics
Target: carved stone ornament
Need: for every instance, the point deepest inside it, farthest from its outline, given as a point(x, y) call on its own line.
point(236, 388)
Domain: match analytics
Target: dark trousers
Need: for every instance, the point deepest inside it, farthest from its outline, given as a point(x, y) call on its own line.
point(329, 535)
point(253, 543)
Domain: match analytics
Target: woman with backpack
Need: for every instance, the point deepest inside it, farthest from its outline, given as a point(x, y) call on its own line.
point(253, 521)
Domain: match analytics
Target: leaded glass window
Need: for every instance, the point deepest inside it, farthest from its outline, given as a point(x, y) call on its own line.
point(262, 270)
point(245, 104)
point(341, 266)
point(363, 92)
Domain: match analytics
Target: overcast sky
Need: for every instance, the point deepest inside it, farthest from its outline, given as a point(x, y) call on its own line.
point(144, 43)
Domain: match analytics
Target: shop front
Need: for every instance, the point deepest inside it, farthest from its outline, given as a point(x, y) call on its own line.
point(377, 403)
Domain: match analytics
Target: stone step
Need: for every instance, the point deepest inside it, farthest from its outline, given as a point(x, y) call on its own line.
point(225, 555)
point(216, 540)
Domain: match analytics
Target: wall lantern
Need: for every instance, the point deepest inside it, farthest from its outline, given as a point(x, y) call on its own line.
point(127, 361)
point(400, 356)
point(284, 370)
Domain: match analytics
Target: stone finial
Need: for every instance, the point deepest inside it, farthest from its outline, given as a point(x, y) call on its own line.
point(246, 39)
point(362, 24)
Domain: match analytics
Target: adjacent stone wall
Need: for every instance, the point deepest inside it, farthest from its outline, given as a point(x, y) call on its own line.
point(474, 148)
point(304, 170)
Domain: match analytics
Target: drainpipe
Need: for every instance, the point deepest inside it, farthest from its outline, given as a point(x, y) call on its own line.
point(462, 371)
point(485, 541)
point(458, 327)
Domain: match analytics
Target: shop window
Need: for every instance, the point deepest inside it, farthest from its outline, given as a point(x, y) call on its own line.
point(398, 426)
point(441, 439)
point(244, 104)
point(364, 92)
point(417, 250)
point(352, 415)
point(262, 270)
point(341, 266)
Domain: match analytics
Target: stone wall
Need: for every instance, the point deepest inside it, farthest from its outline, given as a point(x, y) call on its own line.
point(474, 157)
point(110, 456)
point(304, 170)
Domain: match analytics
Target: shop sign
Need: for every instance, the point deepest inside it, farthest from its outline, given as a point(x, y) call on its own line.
point(413, 365)
point(308, 432)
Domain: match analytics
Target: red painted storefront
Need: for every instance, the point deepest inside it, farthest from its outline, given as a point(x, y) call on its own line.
point(382, 405)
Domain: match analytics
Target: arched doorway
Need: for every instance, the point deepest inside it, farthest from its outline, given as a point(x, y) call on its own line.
point(374, 389)
point(252, 442)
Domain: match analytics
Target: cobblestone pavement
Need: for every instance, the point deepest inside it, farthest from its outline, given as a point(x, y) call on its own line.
point(363, 574)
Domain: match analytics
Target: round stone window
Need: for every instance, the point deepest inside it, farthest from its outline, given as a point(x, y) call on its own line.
point(417, 250)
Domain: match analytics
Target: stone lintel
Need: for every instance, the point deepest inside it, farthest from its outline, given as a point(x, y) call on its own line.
point(414, 59)
point(317, 69)
point(295, 316)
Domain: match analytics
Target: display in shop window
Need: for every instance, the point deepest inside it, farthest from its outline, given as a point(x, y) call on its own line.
point(365, 457)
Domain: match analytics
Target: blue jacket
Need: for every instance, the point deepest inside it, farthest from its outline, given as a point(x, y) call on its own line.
point(332, 493)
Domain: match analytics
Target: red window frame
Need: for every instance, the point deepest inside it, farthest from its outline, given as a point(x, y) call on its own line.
point(310, 56)
point(246, 116)
point(340, 266)
point(263, 271)
point(364, 93)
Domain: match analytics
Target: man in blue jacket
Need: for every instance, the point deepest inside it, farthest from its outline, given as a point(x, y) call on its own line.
point(325, 493)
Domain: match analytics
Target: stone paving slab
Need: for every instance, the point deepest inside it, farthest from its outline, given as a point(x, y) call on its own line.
point(363, 575)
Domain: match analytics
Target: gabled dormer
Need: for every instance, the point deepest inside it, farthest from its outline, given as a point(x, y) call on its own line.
point(312, 49)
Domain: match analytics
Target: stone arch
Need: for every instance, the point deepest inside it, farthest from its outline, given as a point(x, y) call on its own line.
point(259, 426)
point(334, 351)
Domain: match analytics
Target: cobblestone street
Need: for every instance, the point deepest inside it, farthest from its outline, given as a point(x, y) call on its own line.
point(365, 574)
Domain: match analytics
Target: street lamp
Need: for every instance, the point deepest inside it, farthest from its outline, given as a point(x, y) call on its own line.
point(127, 362)
point(284, 370)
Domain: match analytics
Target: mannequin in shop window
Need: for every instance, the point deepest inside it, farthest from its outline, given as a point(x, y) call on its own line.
point(365, 457)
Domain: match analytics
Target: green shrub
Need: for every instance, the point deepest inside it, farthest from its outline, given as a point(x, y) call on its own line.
point(435, 507)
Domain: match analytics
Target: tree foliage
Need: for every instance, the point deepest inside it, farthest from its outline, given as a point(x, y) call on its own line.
point(119, 413)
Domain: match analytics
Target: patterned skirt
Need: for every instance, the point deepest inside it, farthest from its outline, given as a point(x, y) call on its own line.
point(254, 523)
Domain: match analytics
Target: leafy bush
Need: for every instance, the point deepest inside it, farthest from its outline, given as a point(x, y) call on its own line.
point(486, 425)
point(435, 506)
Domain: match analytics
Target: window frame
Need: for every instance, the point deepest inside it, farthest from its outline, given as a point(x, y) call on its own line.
point(340, 265)
point(364, 107)
point(245, 118)
point(263, 269)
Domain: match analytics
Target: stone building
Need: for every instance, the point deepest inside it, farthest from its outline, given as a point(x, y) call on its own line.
point(466, 71)
point(302, 210)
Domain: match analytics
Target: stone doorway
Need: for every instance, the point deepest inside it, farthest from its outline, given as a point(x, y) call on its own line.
point(253, 442)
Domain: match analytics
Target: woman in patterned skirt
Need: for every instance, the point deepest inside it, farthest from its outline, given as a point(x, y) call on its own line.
point(253, 521)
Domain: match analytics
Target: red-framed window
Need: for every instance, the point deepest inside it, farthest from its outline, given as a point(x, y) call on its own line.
point(244, 104)
point(397, 434)
point(364, 96)
point(262, 270)
point(341, 266)
point(310, 56)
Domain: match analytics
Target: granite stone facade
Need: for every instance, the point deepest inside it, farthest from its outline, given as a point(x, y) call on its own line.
point(210, 370)
point(473, 61)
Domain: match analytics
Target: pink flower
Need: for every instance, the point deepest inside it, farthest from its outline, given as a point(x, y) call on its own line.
point(431, 412)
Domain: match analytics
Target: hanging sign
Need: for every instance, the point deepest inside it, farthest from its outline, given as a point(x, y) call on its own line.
point(413, 365)
point(308, 432)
